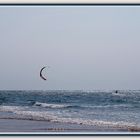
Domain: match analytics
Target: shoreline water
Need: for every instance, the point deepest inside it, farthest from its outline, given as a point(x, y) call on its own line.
point(13, 125)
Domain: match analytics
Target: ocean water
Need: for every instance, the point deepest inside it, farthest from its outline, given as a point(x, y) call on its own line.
point(94, 108)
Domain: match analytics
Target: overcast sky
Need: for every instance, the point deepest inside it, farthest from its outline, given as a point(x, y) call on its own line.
point(95, 47)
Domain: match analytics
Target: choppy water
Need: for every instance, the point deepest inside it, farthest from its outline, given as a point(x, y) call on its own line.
point(101, 108)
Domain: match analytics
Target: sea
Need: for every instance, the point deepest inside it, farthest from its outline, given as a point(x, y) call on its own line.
point(92, 108)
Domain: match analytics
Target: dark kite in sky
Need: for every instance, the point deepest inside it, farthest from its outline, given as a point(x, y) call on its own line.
point(41, 73)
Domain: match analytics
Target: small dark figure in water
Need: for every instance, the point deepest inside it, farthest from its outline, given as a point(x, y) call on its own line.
point(116, 91)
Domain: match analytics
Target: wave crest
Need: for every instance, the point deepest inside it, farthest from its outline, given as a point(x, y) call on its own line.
point(46, 105)
point(22, 113)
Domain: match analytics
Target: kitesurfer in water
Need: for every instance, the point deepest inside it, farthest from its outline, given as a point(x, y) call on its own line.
point(116, 91)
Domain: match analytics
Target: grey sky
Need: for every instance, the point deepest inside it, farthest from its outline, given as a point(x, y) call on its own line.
point(86, 47)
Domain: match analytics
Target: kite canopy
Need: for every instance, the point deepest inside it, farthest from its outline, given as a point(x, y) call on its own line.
point(41, 73)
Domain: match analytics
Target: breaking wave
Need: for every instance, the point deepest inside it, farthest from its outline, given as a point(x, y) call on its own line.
point(51, 105)
point(59, 106)
point(23, 114)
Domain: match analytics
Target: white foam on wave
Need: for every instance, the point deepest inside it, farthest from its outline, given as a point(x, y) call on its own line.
point(112, 106)
point(21, 113)
point(10, 108)
point(45, 116)
point(51, 105)
point(24, 113)
point(36, 115)
point(119, 124)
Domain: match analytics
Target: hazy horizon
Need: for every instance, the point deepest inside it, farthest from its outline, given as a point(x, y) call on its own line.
point(86, 47)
